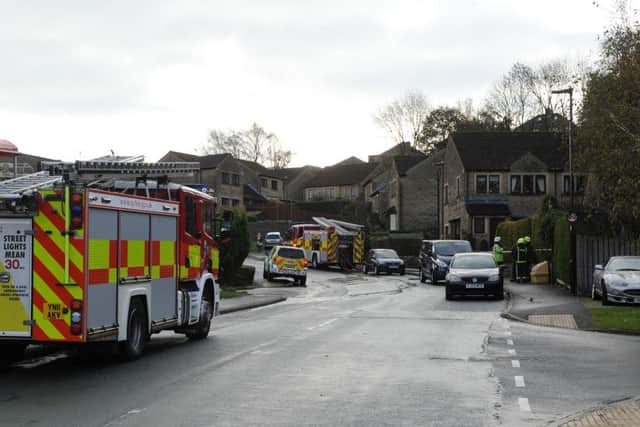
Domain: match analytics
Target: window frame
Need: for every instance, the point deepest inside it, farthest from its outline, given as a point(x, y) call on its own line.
point(484, 226)
point(497, 177)
point(226, 178)
point(544, 184)
point(274, 184)
point(235, 179)
point(518, 180)
point(485, 186)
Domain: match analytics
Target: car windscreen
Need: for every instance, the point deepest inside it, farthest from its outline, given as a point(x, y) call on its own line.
point(624, 264)
point(451, 248)
point(291, 253)
point(473, 262)
point(386, 253)
point(272, 236)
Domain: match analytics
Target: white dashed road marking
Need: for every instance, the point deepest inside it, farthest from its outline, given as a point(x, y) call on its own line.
point(512, 352)
point(524, 404)
point(509, 342)
point(519, 381)
point(515, 363)
point(322, 325)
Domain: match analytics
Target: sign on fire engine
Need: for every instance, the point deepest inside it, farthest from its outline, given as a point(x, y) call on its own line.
point(15, 277)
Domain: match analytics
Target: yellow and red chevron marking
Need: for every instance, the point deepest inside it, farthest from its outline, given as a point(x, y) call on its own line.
point(358, 248)
point(134, 258)
point(215, 262)
point(280, 263)
point(48, 273)
point(332, 249)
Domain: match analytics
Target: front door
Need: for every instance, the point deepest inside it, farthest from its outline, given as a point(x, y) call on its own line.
point(15, 277)
point(493, 226)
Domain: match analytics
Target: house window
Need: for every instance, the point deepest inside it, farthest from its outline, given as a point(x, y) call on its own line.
point(235, 179)
point(541, 184)
point(225, 201)
point(274, 184)
point(579, 184)
point(446, 194)
point(393, 222)
point(478, 225)
point(225, 178)
point(235, 202)
point(527, 184)
point(494, 184)
point(481, 184)
point(458, 186)
point(264, 182)
point(516, 184)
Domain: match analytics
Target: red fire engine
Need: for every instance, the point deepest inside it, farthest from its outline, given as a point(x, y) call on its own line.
point(90, 258)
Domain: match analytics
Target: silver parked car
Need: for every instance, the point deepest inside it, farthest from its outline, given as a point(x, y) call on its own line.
point(618, 281)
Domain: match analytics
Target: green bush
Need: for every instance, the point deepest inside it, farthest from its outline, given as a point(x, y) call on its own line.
point(510, 231)
point(235, 246)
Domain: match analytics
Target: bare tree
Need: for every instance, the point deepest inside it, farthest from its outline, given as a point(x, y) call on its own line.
point(254, 144)
point(404, 118)
point(510, 99)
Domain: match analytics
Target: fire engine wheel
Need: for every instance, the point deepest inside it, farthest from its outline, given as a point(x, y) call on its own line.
point(133, 347)
point(10, 353)
point(203, 327)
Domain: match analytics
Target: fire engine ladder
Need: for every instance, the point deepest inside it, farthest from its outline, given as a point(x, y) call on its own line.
point(14, 188)
point(342, 227)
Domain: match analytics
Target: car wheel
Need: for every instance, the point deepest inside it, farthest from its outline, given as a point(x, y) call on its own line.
point(594, 293)
point(605, 297)
point(377, 270)
point(421, 274)
point(303, 281)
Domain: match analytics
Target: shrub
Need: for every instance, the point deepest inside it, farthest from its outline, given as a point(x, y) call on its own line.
point(235, 246)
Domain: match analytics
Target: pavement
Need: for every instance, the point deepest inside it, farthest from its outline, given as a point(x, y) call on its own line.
point(230, 305)
point(548, 305)
point(625, 413)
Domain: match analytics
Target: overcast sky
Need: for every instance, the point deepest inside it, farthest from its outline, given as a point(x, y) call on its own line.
point(80, 78)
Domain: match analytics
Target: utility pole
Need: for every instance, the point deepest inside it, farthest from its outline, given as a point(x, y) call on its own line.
point(572, 218)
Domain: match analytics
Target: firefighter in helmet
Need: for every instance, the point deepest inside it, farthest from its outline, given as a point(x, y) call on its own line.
point(521, 261)
point(498, 251)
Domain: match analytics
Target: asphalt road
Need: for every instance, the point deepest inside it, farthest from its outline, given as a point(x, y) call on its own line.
point(348, 350)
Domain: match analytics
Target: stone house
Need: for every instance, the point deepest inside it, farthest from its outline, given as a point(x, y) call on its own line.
point(221, 172)
point(493, 176)
point(402, 193)
point(338, 182)
point(266, 182)
point(295, 179)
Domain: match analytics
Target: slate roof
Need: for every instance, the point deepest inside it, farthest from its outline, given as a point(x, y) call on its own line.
point(208, 161)
point(251, 193)
point(404, 163)
point(259, 169)
point(341, 175)
point(497, 151)
point(353, 160)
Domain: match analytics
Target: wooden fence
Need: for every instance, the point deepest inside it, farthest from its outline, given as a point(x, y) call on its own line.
point(592, 250)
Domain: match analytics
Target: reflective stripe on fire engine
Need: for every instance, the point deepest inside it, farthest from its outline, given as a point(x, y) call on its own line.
point(134, 258)
point(194, 260)
point(163, 259)
point(103, 261)
point(215, 261)
point(48, 272)
point(358, 248)
point(332, 250)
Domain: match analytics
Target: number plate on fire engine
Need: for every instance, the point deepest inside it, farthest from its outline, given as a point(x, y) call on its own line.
point(52, 311)
point(475, 285)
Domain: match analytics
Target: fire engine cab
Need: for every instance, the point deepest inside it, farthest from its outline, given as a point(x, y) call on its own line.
point(88, 257)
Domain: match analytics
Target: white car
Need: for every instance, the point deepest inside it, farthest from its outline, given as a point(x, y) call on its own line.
point(618, 281)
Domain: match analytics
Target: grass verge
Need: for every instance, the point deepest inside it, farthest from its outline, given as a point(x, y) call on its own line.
point(232, 293)
point(619, 318)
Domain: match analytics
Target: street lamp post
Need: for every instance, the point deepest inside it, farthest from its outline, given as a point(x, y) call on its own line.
point(572, 216)
point(439, 218)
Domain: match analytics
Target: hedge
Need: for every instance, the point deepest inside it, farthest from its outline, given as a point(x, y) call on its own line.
point(234, 249)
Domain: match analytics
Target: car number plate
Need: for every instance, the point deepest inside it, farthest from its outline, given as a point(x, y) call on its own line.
point(475, 285)
point(289, 271)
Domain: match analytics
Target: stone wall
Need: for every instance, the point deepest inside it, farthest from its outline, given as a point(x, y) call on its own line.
point(418, 204)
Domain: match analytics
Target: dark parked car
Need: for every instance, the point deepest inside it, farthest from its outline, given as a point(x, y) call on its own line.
point(271, 240)
point(618, 281)
point(435, 257)
point(474, 274)
point(383, 261)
